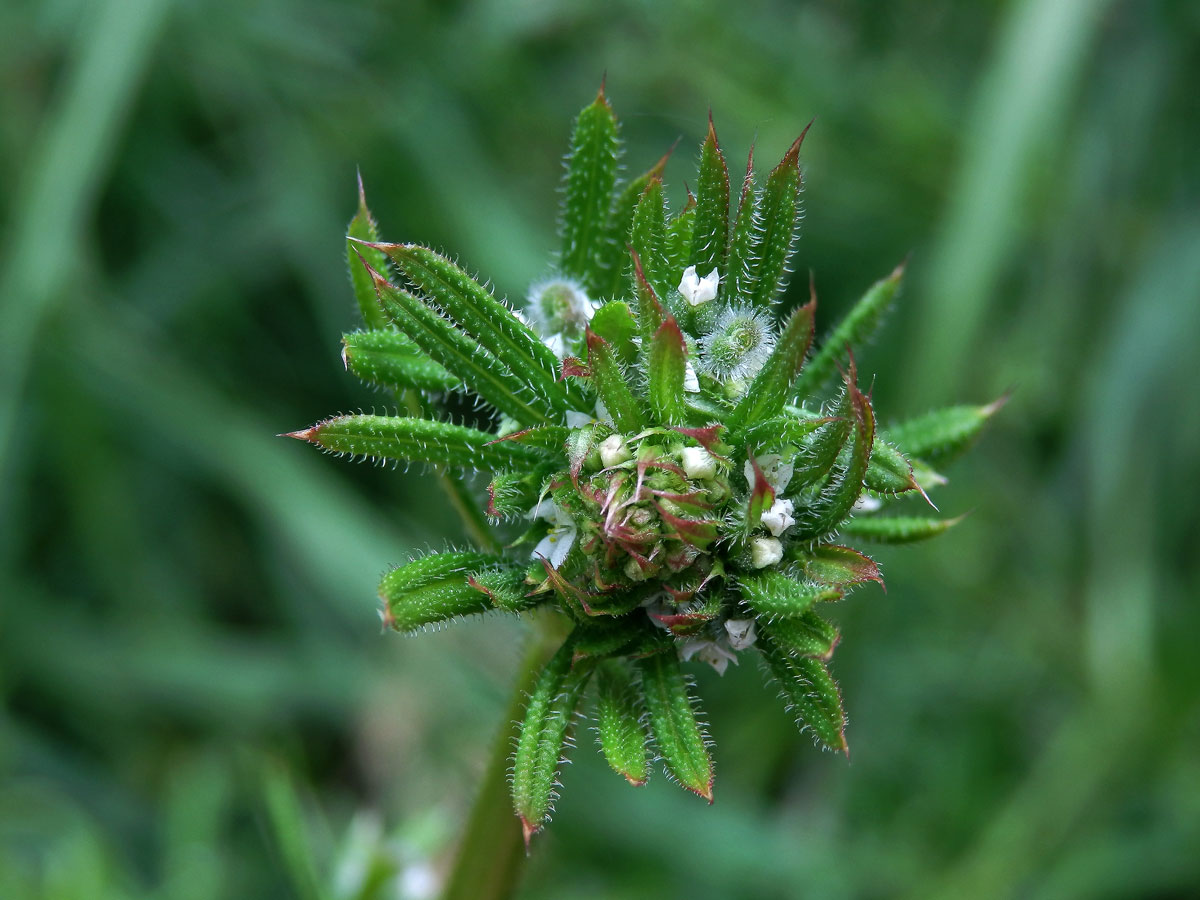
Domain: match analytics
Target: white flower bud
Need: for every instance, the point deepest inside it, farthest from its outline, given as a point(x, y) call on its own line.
point(696, 290)
point(613, 451)
point(698, 463)
point(765, 551)
point(741, 633)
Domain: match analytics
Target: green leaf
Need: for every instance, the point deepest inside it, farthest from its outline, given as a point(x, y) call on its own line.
point(407, 439)
point(615, 323)
point(772, 386)
point(781, 431)
point(897, 529)
point(819, 454)
point(543, 737)
point(551, 438)
point(588, 194)
point(457, 353)
point(505, 588)
point(710, 233)
point(842, 567)
point(667, 366)
point(778, 596)
point(673, 723)
point(777, 227)
point(605, 637)
point(615, 253)
point(858, 325)
point(609, 381)
point(618, 724)
point(941, 435)
point(388, 359)
point(647, 239)
point(530, 363)
point(889, 471)
point(514, 493)
point(838, 497)
point(678, 245)
point(651, 313)
point(805, 635)
point(362, 228)
point(434, 588)
point(742, 263)
point(810, 693)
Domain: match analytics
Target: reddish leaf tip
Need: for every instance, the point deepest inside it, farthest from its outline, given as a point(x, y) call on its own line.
point(305, 435)
point(529, 829)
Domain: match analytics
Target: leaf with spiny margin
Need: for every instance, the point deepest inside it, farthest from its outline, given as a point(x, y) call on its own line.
point(615, 323)
point(505, 588)
point(777, 227)
point(943, 434)
point(778, 596)
point(667, 366)
point(362, 228)
point(386, 358)
point(618, 724)
point(857, 326)
point(810, 693)
point(608, 379)
point(548, 716)
point(607, 637)
point(434, 588)
point(650, 314)
point(781, 431)
point(551, 438)
point(462, 299)
point(588, 193)
point(673, 723)
point(897, 529)
point(773, 384)
point(741, 263)
point(647, 238)
point(806, 635)
point(515, 493)
point(845, 487)
point(679, 239)
point(889, 471)
point(455, 352)
point(820, 453)
point(839, 566)
point(406, 439)
point(710, 233)
point(613, 257)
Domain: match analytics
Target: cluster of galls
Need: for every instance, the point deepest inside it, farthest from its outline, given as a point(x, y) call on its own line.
point(661, 435)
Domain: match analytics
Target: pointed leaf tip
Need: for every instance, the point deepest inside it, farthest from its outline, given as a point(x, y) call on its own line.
point(305, 435)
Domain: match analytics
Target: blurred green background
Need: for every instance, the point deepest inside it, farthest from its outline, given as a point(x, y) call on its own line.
point(196, 698)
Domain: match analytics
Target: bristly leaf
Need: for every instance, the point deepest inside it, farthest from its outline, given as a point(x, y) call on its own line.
point(665, 375)
point(615, 253)
point(433, 589)
point(782, 431)
point(679, 238)
point(618, 724)
point(615, 323)
point(388, 359)
point(839, 566)
point(472, 307)
point(647, 239)
point(897, 529)
point(505, 588)
point(742, 261)
point(711, 230)
point(540, 746)
point(673, 724)
point(941, 435)
point(362, 228)
point(651, 313)
point(858, 325)
point(776, 233)
point(404, 439)
point(810, 693)
point(806, 635)
point(588, 195)
point(610, 384)
point(773, 384)
point(515, 493)
point(457, 353)
point(820, 453)
point(778, 596)
point(889, 471)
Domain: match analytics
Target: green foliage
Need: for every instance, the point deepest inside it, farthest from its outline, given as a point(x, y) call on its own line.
point(618, 724)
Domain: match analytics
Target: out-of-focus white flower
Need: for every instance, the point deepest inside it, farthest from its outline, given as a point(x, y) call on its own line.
point(741, 633)
point(708, 651)
point(697, 290)
point(778, 518)
point(765, 551)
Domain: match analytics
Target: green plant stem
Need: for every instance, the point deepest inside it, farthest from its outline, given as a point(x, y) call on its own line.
point(490, 854)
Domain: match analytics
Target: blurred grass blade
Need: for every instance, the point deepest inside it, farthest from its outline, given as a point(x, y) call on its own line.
point(290, 831)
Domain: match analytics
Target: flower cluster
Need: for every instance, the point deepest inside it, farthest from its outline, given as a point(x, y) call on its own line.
point(683, 472)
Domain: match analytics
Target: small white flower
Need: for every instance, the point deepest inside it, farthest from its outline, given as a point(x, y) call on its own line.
point(708, 651)
point(555, 546)
point(741, 633)
point(765, 551)
point(698, 463)
point(691, 383)
point(696, 290)
point(778, 518)
point(777, 469)
point(613, 451)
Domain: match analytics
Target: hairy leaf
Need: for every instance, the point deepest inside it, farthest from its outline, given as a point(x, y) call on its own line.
point(943, 434)
point(810, 693)
point(362, 228)
point(588, 194)
point(772, 386)
point(667, 365)
point(673, 723)
point(776, 227)
point(609, 381)
point(804, 635)
point(897, 529)
point(710, 233)
point(434, 588)
point(778, 596)
point(386, 358)
point(618, 724)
